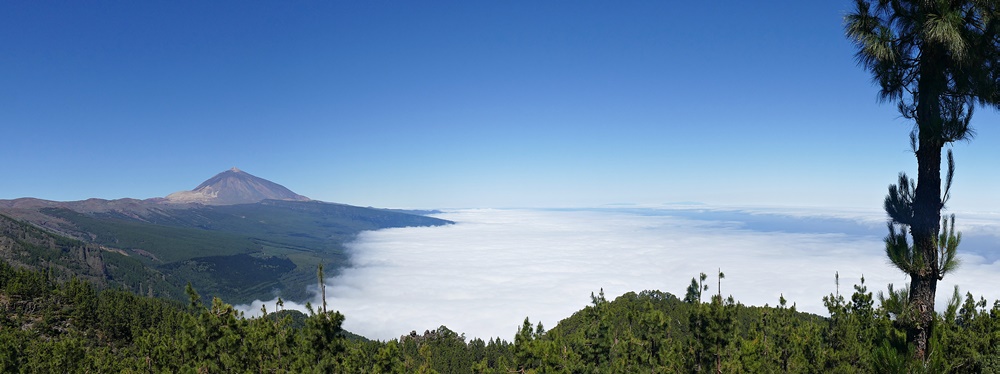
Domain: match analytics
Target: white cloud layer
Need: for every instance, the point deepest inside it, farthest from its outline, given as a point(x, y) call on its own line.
point(485, 274)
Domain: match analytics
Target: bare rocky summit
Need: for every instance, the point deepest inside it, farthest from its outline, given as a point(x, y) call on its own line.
point(234, 186)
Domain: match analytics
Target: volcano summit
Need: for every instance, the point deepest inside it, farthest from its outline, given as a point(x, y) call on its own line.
point(234, 186)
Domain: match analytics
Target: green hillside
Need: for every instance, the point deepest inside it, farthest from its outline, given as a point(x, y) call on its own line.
point(48, 325)
point(238, 252)
point(26, 246)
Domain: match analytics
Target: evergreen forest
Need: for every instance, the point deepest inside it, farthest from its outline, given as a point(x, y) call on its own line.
point(72, 326)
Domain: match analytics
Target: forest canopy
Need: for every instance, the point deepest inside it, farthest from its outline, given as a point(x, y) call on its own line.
point(73, 326)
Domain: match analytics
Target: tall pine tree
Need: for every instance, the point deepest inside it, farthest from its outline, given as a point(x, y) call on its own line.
point(937, 59)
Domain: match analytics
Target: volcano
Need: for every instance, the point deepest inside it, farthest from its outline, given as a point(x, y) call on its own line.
point(234, 186)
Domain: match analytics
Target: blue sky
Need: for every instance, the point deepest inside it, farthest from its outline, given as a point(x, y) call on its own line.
point(457, 104)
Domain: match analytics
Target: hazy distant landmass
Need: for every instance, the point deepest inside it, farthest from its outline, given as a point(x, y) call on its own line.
point(235, 235)
point(422, 212)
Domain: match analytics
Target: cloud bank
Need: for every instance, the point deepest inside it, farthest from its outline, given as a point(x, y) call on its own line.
point(485, 274)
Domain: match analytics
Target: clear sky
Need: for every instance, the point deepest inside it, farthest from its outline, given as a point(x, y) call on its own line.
point(457, 104)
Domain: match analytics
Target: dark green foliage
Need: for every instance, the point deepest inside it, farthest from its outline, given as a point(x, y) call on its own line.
point(24, 245)
point(242, 274)
point(51, 326)
point(694, 290)
point(656, 332)
point(154, 243)
point(71, 326)
point(712, 330)
point(237, 252)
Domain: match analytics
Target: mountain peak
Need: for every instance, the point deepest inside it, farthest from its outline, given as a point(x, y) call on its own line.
point(234, 186)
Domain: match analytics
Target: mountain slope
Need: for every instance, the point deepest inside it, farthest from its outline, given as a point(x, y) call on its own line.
point(240, 252)
point(26, 246)
point(234, 186)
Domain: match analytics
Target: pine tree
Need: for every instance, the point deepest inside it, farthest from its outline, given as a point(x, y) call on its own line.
point(937, 59)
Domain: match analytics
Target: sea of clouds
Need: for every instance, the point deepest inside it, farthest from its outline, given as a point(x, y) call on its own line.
point(483, 275)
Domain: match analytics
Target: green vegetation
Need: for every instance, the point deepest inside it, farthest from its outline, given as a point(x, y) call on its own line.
point(937, 60)
point(237, 252)
point(24, 245)
point(234, 275)
point(50, 325)
point(155, 244)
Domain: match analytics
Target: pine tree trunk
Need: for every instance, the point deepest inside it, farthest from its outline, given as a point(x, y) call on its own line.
point(927, 218)
point(922, 291)
point(927, 197)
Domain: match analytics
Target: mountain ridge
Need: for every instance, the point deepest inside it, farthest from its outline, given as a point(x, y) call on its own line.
point(230, 187)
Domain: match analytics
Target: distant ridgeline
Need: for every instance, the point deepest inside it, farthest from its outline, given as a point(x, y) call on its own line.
point(47, 325)
point(235, 236)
